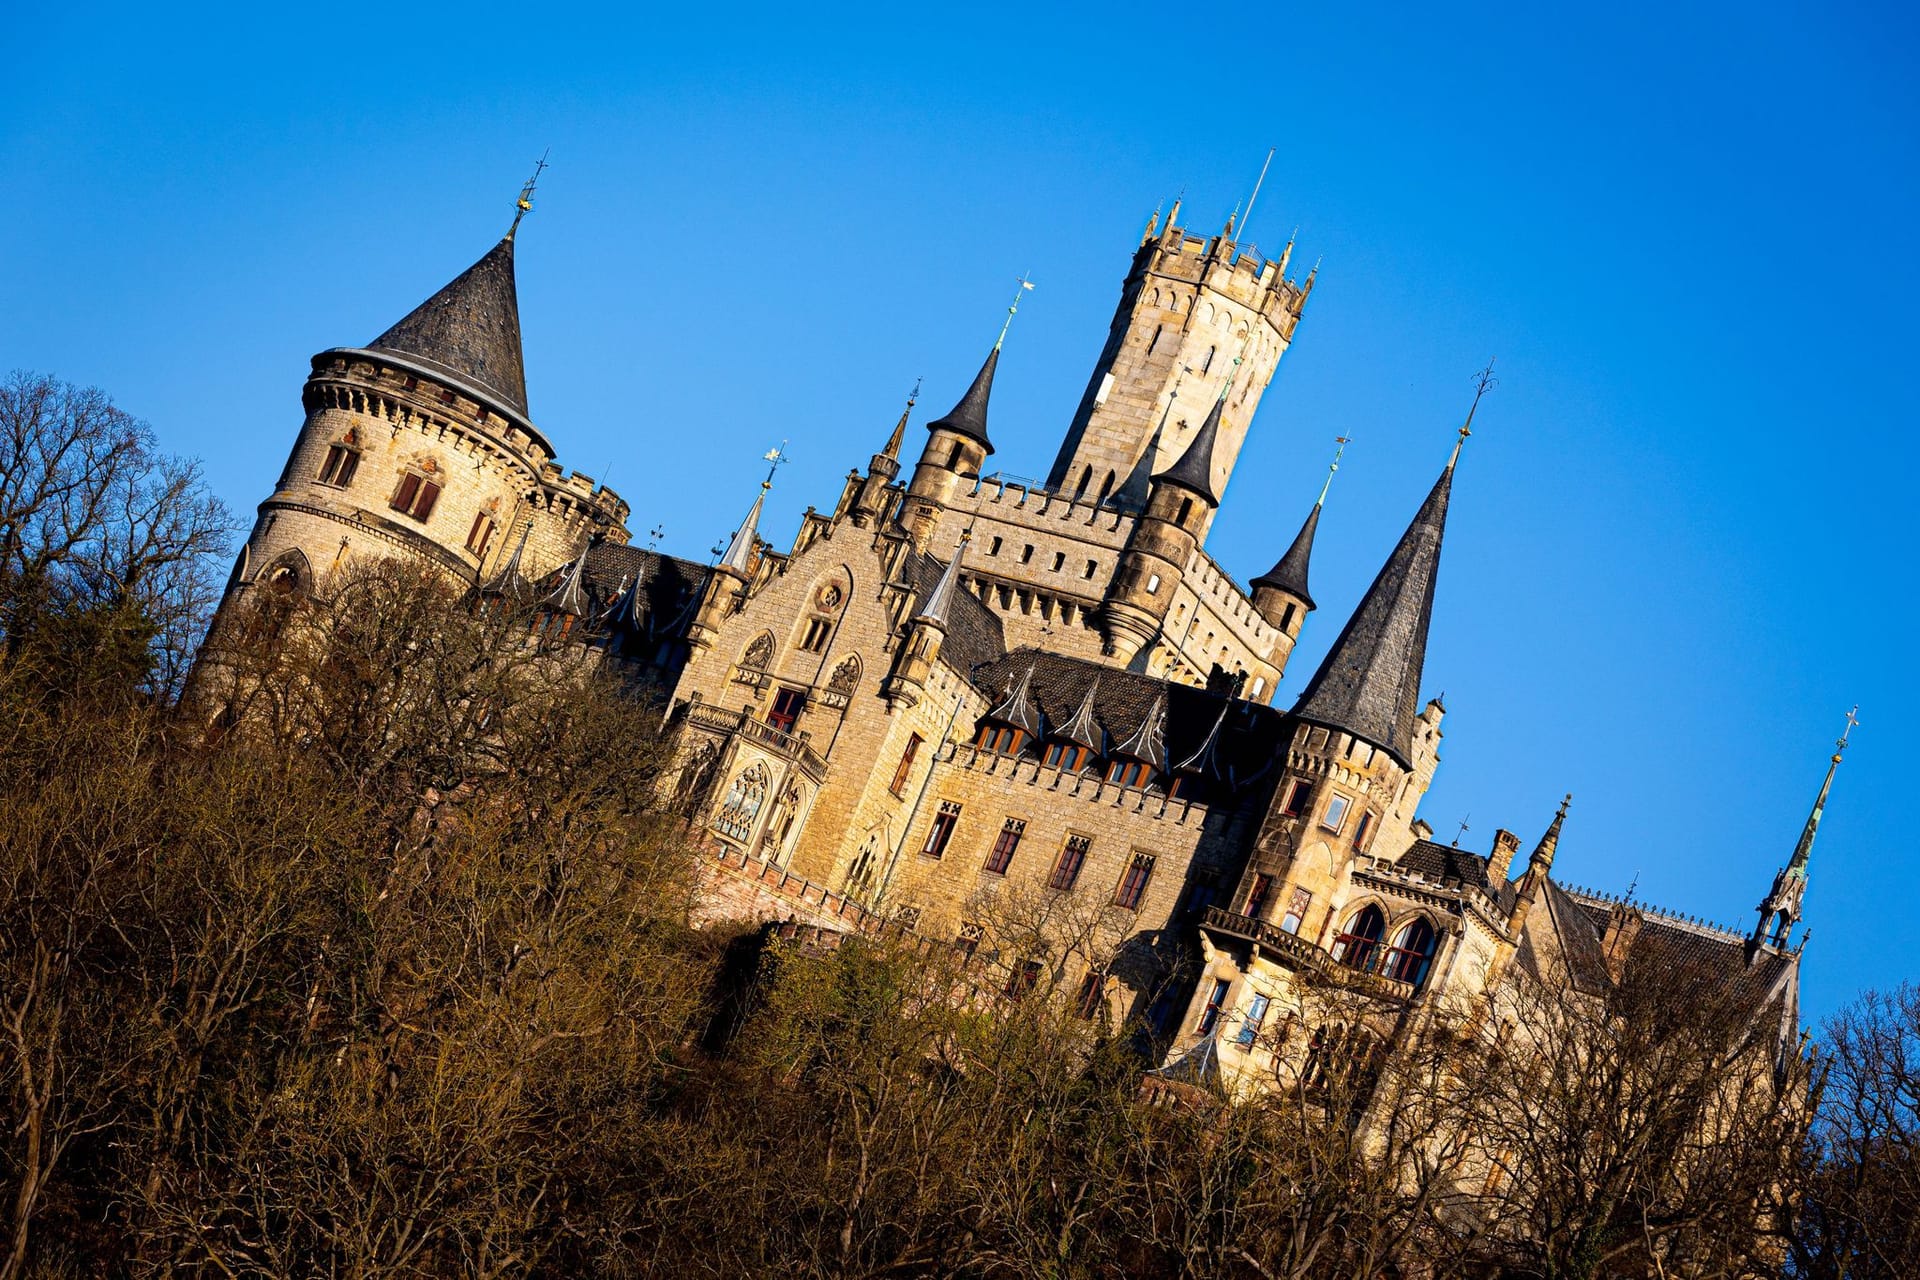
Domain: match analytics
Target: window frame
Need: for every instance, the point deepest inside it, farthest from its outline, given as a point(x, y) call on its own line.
point(1069, 862)
point(480, 536)
point(415, 497)
point(1216, 1001)
point(1006, 843)
point(1253, 1019)
point(337, 469)
point(1329, 819)
point(903, 772)
point(1299, 799)
point(1132, 889)
point(940, 832)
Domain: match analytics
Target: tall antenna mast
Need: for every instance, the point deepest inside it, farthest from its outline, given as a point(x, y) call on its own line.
point(1256, 192)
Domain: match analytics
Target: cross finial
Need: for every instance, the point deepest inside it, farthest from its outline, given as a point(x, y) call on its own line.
point(913, 396)
point(1853, 719)
point(1026, 283)
point(1464, 828)
point(524, 205)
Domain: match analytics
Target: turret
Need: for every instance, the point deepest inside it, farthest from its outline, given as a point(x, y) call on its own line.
point(727, 585)
point(1539, 866)
point(920, 649)
point(1180, 504)
point(868, 497)
point(1780, 909)
point(1280, 595)
point(957, 448)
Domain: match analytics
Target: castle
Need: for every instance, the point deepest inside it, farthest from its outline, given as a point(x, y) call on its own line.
point(959, 694)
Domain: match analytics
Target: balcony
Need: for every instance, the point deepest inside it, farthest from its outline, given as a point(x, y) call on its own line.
point(1296, 952)
point(796, 747)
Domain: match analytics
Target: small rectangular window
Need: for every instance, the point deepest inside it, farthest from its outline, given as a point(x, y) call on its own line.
point(1024, 978)
point(1066, 756)
point(1250, 1024)
point(480, 534)
point(1072, 857)
point(819, 631)
point(1216, 1000)
point(905, 767)
point(1257, 896)
point(1133, 885)
point(942, 830)
point(993, 548)
point(1296, 911)
point(1059, 559)
point(1336, 815)
point(340, 465)
point(1153, 584)
point(968, 942)
point(1297, 797)
point(1087, 1003)
point(1001, 856)
point(1364, 830)
point(787, 706)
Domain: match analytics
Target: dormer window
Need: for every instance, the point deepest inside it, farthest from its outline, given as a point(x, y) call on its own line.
point(1065, 756)
point(1125, 771)
point(1002, 738)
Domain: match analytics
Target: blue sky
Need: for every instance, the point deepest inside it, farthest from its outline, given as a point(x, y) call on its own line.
point(1681, 542)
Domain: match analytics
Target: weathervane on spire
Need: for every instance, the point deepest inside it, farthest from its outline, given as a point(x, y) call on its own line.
point(1484, 381)
point(1026, 283)
point(775, 458)
point(1340, 443)
point(524, 205)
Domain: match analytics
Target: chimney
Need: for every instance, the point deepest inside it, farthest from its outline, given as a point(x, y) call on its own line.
point(1505, 845)
point(1623, 926)
point(1422, 829)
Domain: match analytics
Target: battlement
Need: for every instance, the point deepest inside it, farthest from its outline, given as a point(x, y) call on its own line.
point(1673, 919)
point(578, 489)
point(1240, 271)
point(1088, 788)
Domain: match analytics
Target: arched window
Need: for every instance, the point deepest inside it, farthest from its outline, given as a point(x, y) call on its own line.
point(1357, 945)
point(1411, 954)
point(744, 798)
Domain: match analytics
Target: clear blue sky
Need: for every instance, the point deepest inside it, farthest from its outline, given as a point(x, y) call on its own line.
point(1682, 540)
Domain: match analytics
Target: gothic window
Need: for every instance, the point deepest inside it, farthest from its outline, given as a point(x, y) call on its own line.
point(695, 779)
point(1356, 946)
point(1216, 1001)
point(941, 832)
point(1133, 885)
point(742, 806)
point(415, 496)
point(342, 461)
point(1408, 959)
point(759, 653)
point(1257, 895)
point(1208, 366)
point(969, 941)
point(1001, 856)
point(1086, 478)
point(860, 875)
point(1073, 856)
point(904, 769)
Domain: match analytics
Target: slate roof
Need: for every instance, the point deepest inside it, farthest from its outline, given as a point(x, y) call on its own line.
point(1289, 573)
point(974, 634)
point(969, 417)
point(470, 332)
point(1250, 740)
point(664, 590)
point(1194, 470)
point(1369, 683)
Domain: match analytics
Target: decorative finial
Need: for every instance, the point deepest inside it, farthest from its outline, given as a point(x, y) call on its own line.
point(1231, 219)
point(1484, 381)
point(1256, 187)
point(1853, 719)
point(775, 458)
point(1631, 886)
point(913, 396)
point(524, 205)
point(1564, 802)
point(1025, 284)
point(1341, 442)
point(1464, 828)
point(658, 532)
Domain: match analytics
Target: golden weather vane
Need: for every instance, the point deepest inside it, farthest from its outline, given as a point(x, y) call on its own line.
point(524, 205)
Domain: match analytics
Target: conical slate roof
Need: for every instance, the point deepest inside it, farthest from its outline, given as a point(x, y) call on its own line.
point(1369, 683)
point(470, 331)
point(1289, 574)
point(939, 602)
point(509, 582)
point(969, 417)
point(1194, 470)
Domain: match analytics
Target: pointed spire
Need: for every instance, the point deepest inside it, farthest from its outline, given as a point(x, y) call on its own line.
point(892, 449)
point(969, 417)
point(1542, 856)
point(469, 332)
point(1148, 741)
point(1289, 573)
point(1369, 683)
point(1783, 902)
point(1083, 728)
point(739, 555)
point(1194, 470)
point(1205, 758)
point(570, 597)
point(619, 610)
point(939, 601)
point(508, 582)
